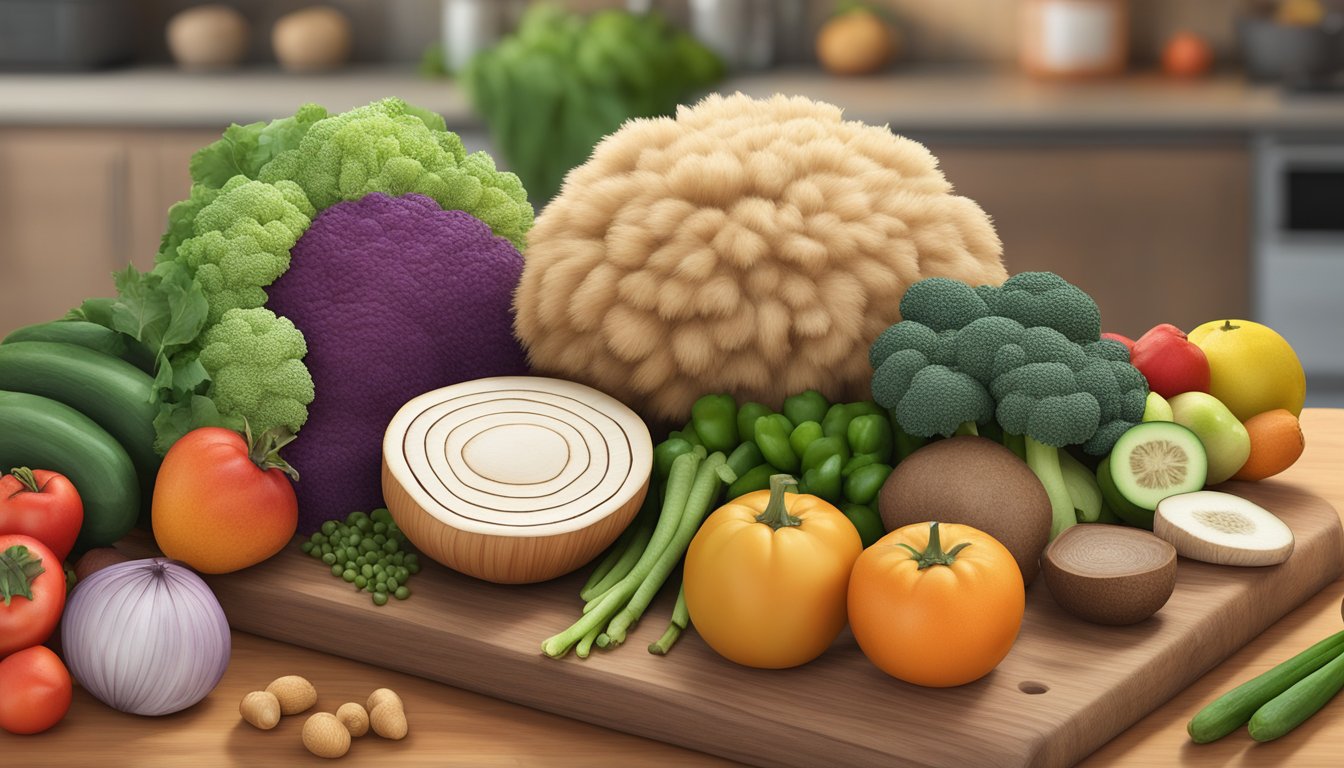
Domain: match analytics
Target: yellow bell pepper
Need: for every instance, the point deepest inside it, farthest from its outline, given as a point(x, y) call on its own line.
point(767, 577)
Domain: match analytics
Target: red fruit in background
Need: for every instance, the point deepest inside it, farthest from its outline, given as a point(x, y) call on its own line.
point(1128, 342)
point(1170, 362)
point(1187, 55)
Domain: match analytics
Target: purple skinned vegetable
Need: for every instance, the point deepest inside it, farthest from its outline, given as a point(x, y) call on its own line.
point(396, 297)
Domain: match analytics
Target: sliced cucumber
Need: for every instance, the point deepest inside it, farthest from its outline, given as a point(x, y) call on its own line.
point(1157, 459)
point(1118, 504)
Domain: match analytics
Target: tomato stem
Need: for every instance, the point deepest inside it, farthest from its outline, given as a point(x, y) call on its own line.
point(1228, 326)
point(25, 476)
point(264, 450)
point(776, 514)
point(18, 570)
point(933, 554)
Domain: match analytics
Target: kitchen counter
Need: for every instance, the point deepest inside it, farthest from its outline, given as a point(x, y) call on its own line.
point(452, 727)
point(910, 99)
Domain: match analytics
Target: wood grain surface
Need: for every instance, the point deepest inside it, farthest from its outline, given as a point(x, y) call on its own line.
point(453, 727)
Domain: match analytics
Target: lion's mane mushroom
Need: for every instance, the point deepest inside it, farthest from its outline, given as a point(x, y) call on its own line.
point(755, 247)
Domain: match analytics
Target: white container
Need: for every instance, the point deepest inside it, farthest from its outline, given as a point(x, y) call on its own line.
point(1074, 38)
point(471, 26)
point(741, 32)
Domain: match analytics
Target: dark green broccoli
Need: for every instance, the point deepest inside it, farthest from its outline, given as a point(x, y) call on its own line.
point(1027, 354)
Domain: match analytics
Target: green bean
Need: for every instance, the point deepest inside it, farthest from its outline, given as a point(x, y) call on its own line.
point(704, 491)
point(643, 532)
point(681, 618)
point(617, 550)
point(585, 645)
point(679, 484)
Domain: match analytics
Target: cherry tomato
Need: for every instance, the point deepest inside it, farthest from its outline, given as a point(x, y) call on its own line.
point(37, 691)
point(32, 592)
point(42, 504)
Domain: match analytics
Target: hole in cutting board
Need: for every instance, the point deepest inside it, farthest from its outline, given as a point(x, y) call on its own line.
point(1029, 686)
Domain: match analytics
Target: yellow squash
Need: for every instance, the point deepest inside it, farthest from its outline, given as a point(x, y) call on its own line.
point(767, 577)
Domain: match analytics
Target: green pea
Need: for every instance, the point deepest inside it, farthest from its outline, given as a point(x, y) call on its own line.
point(329, 559)
point(348, 576)
point(307, 547)
point(392, 583)
point(380, 598)
point(380, 586)
point(399, 558)
point(400, 575)
point(367, 570)
point(390, 546)
point(413, 567)
point(380, 527)
point(379, 539)
point(402, 593)
point(318, 538)
point(361, 582)
point(329, 527)
point(325, 549)
point(337, 570)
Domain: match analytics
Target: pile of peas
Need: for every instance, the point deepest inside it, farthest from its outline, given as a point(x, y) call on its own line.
point(367, 550)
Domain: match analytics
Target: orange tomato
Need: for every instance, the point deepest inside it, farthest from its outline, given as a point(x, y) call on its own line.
point(1187, 55)
point(220, 504)
point(936, 604)
point(766, 577)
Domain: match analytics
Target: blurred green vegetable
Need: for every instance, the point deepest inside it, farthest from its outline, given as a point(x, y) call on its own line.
point(552, 90)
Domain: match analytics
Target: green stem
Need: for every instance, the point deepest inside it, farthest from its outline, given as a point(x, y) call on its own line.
point(1044, 461)
point(905, 442)
point(776, 514)
point(967, 428)
point(585, 645)
point(933, 554)
point(18, 570)
point(264, 450)
point(1017, 444)
point(26, 478)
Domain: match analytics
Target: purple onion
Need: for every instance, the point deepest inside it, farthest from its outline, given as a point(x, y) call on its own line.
point(146, 637)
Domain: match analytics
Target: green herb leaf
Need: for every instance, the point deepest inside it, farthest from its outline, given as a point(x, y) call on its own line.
point(177, 419)
point(140, 312)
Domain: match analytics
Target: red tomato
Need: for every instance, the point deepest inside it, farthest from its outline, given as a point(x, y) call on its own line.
point(32, 592)
point(36, 689)
point(1187, 55)
point(42, 504)
point(219, 505)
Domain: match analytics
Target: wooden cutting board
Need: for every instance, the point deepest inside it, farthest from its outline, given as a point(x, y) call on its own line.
point(1066, 688)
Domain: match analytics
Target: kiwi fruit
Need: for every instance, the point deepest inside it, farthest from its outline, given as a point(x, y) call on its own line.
point(1157, 459)
point(977, 482)
point(1109, 574)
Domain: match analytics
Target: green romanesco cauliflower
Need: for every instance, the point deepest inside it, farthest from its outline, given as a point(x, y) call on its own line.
point(255, 364)
point(242, 241)
point(390, 147)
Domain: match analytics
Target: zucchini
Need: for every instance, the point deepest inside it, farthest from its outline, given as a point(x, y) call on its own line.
point(112, 392)
point(41, 433)
point(91, 335)
point(1230, 711)
point(1292, 707)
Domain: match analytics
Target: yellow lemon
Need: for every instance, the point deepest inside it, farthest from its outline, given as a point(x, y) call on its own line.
point(1252, 369)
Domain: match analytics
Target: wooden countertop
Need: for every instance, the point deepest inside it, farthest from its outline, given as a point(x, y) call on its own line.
point(451, 727)
point(909, 99)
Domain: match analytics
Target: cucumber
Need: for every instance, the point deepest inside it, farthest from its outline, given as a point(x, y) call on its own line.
point(1230, 711)
point(90, 335)
point(41, 433)
point(1118, 504)
point(1294, 706)
point(1157, 459)
point(112, 392)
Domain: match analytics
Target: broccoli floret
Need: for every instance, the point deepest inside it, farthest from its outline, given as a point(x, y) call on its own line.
point(254, 361)
point(1046, 299)
point(903, 335)
point(929, 399)
point(981, 341)
point(942, 304)
point(1107, 349)
point(389, 147)
point(1047, 345)
point(242, 241)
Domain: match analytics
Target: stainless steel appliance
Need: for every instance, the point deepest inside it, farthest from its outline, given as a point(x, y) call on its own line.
point(1298, 273)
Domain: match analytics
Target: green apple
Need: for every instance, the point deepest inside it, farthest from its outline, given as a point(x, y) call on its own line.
point(1157, 408)
point(1224, 437)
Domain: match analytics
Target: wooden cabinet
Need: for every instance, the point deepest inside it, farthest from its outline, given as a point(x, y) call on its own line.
point(75, 205)
point(1156, 233)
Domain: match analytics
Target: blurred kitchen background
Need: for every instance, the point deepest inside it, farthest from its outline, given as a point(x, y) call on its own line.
point(1182, 160)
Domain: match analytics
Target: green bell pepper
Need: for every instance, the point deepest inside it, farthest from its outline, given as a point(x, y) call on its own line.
point(745, 457)
point(666, 452)
point(824, 480)
point(772, 438)
point(866, 521)
point(755, 479)
point(714, 418)
point(862, 486)
point(807, 406)
point(803, 435)
point(746, 419)
point(819, 451)
point(871, 434)
point(836, 422)
point(859, 461)
point(688, 434)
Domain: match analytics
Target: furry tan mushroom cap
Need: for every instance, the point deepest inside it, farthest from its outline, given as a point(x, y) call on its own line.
point(755, 247)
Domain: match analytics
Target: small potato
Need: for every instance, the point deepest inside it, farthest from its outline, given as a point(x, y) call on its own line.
point(355, 719)
point(381, 695)
point(325, 736)
point(389, 721)
point(295, 693)
point(261, 709)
